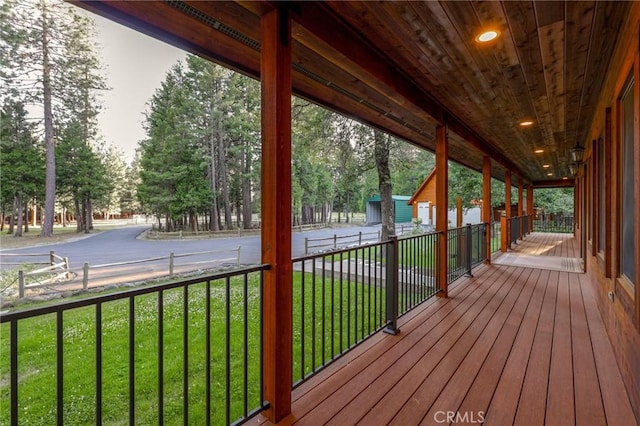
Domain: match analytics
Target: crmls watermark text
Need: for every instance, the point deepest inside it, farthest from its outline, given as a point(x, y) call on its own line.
point(458, 417)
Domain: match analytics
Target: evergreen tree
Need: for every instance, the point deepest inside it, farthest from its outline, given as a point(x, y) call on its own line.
point(21, 160)
point(48, 60)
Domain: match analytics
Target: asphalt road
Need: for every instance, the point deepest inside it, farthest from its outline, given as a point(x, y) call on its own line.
point(122, 245)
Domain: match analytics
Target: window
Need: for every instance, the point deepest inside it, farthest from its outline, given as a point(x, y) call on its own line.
point(601, 195)
point(628, 227)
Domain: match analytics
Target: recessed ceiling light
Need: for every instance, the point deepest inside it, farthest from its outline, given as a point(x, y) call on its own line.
point(539, 151)
point(564, 178)
point(487, 36)
point(526, 123)
point(545, 166)
point(549, 174)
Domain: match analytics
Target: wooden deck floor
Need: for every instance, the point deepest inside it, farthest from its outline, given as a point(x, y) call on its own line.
point(548, 244)
point(510, 346)
point(555, 252)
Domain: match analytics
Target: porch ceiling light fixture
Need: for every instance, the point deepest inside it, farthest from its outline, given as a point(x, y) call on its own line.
point(576, 154)
point(545, 166)
point(525, 123)
point(487, 36)
point(539, 151)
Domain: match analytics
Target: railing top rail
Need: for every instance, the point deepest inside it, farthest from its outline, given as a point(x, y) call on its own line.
point(2, 254)
point(409, 236)
point(28, 313)
point(342, 236)
point(331, 251)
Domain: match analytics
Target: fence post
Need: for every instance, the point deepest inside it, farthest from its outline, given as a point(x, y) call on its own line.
point(306, 245)
point(360, 238)
point(21, 284)
point(239, 255)
point(171, 263)
point(335, 241)
point(85, 276)
point(391, 275)
point(52, 257)
point(469, 242)
point(66, 267)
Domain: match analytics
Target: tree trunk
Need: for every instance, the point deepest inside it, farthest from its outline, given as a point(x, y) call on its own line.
point(222, 166)
point(346, 210)
point(78, 214)
point(89, 214)
point(381, 151)
point(86, 214)
point(213, 213)
point(26, 217)
point(19, 217)
point(50, 162)
point(246, 190)
point(12, 217)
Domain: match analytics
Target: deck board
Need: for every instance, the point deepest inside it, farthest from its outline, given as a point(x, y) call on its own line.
point(512, 345)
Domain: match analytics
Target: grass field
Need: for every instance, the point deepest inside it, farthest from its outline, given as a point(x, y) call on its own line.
point(345, 321)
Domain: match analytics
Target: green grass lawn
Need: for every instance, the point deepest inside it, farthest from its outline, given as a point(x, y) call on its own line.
point(358, 309)
point(37, 359)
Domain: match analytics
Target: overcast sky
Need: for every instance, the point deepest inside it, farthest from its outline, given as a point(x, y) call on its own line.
point(135, 66)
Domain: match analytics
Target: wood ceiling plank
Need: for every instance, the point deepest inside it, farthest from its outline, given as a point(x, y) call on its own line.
point(552, 48)
point(523, 25)
point(360, 57)
point(579, 18)
point(462, 86)
point(608, 18)
point(505, 114)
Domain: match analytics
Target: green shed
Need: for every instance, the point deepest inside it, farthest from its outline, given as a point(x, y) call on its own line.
point(402, 211)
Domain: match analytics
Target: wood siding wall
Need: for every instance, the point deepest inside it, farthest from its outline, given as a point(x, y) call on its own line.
point(619, 304)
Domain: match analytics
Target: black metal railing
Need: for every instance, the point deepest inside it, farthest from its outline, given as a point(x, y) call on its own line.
point(416, 270)
point(342, 297)
point(515, 229)
point(554, 223)
point(526, 225)
point(185, 352)
point(496, 235)
point(478, 249)
point(466, 248)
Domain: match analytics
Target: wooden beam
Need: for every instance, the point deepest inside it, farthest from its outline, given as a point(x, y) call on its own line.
point(276, 211)
point(557, 183)
point(442, 201)
point(486, 204)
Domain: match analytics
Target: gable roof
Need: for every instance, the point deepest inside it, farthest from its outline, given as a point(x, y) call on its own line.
point(424, 184)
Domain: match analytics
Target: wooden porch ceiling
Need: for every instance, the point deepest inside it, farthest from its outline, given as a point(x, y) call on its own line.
point(405, 67)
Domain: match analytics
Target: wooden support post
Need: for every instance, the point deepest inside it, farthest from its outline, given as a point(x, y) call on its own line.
point(506, 230)
point(442, 195)
point(486, 204)
point(458, 212)
point(520, 206)
point(276, 211)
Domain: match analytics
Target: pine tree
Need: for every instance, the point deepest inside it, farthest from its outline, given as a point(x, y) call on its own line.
point(48, 60)
point(21, 160)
